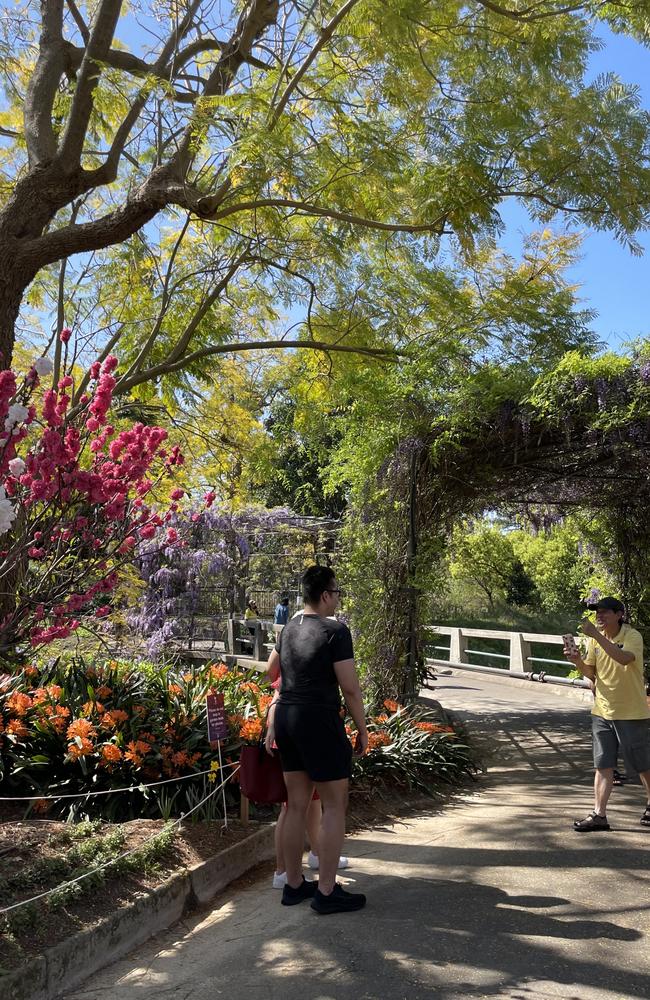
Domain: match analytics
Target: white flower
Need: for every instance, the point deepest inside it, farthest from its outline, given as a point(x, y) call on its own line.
point(7, 515)
point(17, 467)
point(43, 366)
point(16, 414)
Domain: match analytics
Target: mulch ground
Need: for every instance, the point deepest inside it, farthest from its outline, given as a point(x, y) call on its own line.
point(31, 851)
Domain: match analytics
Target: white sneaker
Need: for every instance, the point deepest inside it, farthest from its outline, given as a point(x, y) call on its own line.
point(313, 862)
point(279, 880)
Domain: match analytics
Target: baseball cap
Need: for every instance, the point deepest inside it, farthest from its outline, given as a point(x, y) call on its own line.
point(607, 604)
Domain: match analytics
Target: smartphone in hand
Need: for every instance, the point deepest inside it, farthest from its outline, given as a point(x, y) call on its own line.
point(570, 645)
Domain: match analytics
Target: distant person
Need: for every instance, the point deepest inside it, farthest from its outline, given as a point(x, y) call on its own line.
point(620, 716)
point(251, 610)
point(315, 657)
point(281, 613)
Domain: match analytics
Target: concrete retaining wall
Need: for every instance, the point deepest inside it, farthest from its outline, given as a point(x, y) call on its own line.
point(70, 962)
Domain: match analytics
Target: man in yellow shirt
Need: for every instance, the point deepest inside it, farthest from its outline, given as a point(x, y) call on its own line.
point(620, 716)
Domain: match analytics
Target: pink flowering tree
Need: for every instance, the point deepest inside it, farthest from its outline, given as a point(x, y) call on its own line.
point(74, 500)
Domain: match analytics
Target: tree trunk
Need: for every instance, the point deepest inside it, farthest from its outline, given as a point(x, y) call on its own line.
point(12, 289)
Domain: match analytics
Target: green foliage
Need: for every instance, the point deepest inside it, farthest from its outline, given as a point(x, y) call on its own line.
point(556, 563)
point(415, 749)
point(485, 556)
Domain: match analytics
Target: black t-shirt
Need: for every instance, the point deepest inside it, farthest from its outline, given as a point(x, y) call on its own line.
point(309, 646)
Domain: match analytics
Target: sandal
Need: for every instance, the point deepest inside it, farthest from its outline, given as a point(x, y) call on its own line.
point(619, 778)
point(645, 819)
point(594, 822)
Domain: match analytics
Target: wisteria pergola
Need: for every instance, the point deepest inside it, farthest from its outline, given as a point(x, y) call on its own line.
point(191, 589)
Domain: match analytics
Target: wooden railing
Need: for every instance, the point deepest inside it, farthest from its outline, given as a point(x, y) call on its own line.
point(517, 648)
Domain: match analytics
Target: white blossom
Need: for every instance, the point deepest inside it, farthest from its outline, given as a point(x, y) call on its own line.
point(17, 467)
point(7, 515)
point(16, 414)
point(43, 366)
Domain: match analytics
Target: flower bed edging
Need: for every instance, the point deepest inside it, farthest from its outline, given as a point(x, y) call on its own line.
point(69, 963)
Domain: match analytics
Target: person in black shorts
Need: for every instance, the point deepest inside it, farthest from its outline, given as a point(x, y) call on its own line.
point(315, 658)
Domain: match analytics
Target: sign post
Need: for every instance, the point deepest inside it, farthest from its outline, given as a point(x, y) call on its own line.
point(218, 731)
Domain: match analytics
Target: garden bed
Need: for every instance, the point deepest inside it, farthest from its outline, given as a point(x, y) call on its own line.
point(35, 855)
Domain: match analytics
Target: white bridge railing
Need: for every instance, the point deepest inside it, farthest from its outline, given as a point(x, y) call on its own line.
point(517, 653)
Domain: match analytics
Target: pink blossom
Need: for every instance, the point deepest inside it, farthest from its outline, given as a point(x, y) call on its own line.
point(127, 545)
point(92, 424)
point(177, 494)
point(171, 536)
point(65, 382)
point(95, 369)
point(103, 611)
point(147, 531)
point(209, 498)
point(65, 334)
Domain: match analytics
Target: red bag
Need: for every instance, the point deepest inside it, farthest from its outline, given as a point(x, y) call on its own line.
point(260, 777)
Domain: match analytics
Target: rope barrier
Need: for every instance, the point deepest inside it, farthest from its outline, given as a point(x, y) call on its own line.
point(106, 791)
point(126, 854)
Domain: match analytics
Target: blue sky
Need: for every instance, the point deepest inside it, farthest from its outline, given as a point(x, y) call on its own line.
point(613, 282)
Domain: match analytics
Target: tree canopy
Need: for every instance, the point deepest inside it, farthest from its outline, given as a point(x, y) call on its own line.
point(227, 177)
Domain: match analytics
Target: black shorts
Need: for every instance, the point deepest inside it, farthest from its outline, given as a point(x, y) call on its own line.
point(313, 739)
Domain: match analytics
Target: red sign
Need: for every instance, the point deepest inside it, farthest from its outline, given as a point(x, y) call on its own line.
point(217, 723)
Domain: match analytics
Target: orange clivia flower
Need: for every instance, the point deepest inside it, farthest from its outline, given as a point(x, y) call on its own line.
point(175, 689)
point(41, 806)
point(433, 727)
point(19, 703)
point(180, 758)
point(80, 748)
point(111, 754)
point(380, 719)
point(188, 677)
point(375, 740)
point(251, 686)
point(104, 691)
point(392, 706)
point(81, 728)
point(217, 672)
point(30, 671)
point(18, 729)
point(251, 730)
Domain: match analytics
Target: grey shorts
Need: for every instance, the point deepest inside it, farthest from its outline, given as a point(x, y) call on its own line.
point(629, 736)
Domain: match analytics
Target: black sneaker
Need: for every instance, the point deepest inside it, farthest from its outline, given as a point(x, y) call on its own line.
point(338, 901)
point(305, 891)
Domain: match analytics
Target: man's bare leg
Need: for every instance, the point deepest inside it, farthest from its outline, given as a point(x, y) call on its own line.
point(645, 781)
point(603, 782)
point(334, 799)
point(300, 789)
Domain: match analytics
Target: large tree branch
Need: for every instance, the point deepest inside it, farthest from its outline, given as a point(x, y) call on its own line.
point(166, 368)
point(203, 208)
point(99, 45)
point(115, 227)
point(43, 84)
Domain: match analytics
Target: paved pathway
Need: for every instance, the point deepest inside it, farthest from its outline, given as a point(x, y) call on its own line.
point(494, 896)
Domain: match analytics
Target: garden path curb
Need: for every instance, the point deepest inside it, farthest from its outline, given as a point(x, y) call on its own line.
point(69, 963)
